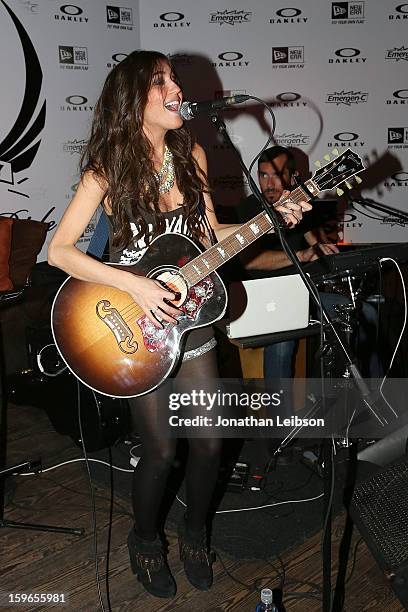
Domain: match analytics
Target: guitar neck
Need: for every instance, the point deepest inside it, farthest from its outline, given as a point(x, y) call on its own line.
point(214, 257)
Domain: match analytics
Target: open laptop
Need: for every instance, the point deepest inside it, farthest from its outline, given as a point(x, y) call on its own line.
point(267, 306)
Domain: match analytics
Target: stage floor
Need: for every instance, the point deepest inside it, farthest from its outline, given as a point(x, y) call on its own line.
point(39, 562)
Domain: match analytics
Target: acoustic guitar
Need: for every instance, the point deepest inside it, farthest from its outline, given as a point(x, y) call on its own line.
point(106, 339)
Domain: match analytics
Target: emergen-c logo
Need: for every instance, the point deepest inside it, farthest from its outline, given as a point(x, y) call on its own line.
point(346, 97)
point(288, 57)
point(293, 139)
point(397, 53)
point(348, 12)
point(74, 146)
point(398, 137)
point(73, 57)
point(232, 17)
point(394, 220)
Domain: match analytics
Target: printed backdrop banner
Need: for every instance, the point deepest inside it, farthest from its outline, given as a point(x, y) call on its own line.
point(334, 73)
point(55, 59)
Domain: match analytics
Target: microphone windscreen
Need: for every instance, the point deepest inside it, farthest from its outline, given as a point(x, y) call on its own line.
point(184, 111)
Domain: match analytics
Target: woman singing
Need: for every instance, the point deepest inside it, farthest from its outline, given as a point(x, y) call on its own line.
point(142, 165)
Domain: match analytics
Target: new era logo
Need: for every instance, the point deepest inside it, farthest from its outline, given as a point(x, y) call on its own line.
point(340, 10)
point(288, 55)
point(348, 10)
point(112, 14)
point(279, 54)
point(397, 135)
point(77, 56)
point(66, 55)
point(119, 15)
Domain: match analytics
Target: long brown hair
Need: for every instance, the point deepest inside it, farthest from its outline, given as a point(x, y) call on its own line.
point(120, 154)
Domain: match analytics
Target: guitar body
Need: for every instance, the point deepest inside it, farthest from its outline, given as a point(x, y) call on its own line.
point(106, 339)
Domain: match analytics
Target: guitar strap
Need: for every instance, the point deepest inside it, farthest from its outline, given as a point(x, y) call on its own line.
point(100, 237)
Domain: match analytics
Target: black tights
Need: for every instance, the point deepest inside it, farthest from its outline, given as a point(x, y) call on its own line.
point(158, 451)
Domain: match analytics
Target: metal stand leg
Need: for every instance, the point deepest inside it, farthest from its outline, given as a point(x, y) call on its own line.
point(327, 516)
point(22, 467)
point(339, 595)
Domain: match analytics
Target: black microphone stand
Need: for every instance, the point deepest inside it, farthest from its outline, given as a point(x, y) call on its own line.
point(380, 207)
point(360, 383)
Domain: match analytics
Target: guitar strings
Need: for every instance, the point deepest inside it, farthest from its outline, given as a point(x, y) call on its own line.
point(213, 256)
point(132, 310)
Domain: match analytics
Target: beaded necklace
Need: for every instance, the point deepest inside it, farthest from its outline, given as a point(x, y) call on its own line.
point(167, 170)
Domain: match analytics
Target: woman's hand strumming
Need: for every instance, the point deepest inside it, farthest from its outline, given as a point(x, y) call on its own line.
point(153, 299)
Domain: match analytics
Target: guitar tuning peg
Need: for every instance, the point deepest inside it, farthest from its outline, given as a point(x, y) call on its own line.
point(326, 157)
point(339, 191)
point(335, 152)
point(348, 185)
point(318, 163)
point(358, 180)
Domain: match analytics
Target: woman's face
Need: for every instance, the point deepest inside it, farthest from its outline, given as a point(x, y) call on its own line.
point(163, 102)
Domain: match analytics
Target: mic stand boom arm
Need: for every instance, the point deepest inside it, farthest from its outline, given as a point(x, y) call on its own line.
point(380, 207)
point(269, 210)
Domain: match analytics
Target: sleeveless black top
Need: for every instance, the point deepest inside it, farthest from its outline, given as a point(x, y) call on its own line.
point(175, 222)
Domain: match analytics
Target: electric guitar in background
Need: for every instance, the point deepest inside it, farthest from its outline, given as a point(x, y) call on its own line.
point(106, 339)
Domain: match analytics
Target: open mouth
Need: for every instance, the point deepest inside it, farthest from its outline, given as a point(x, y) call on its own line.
point(173, 106)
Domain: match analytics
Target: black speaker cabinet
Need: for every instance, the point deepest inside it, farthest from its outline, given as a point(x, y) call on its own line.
point(380, 511)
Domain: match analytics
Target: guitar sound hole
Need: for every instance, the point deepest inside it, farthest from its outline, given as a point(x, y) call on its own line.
point(177, 294)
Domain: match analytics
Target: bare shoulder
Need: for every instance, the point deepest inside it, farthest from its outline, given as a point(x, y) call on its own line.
point(200, 158)
point(90, 181)
point(199, 153)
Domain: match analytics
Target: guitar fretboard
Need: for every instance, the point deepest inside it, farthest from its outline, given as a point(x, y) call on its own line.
point(207, 262)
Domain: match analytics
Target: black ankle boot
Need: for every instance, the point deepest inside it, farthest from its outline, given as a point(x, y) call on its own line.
point(150, 565)
point(196, 557)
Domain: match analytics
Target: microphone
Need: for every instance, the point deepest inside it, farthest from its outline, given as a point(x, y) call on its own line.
point(190, 110)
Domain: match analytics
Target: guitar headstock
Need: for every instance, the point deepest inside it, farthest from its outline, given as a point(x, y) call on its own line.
point(339, 170)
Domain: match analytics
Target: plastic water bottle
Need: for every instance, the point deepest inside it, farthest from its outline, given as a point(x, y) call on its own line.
point(266, 604)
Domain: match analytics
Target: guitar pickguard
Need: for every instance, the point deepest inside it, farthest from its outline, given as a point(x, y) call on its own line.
point(155, 337)
point(197, 295)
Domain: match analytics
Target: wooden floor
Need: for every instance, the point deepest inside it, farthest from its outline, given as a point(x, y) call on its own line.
point(34, 561)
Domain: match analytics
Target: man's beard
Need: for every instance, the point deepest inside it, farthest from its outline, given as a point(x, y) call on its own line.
point(272, 196)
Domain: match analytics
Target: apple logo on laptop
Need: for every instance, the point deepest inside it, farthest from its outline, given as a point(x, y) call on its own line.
point(271, 306)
